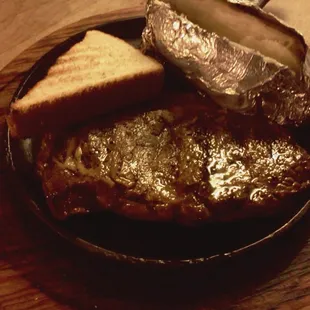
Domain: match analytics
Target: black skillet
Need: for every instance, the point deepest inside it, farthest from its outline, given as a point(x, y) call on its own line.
point(110, 236)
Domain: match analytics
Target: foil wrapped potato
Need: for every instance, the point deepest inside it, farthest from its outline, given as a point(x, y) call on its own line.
point(247, 60)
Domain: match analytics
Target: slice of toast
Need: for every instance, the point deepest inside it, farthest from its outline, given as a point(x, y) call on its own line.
point(96, 75)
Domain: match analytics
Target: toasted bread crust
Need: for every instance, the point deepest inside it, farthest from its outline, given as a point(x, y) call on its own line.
point(47, 116)
point(47, 108)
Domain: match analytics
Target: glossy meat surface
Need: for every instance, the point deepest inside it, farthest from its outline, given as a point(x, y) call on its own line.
point(187, 162)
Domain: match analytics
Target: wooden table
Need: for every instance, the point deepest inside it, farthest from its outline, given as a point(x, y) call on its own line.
point(40, 271)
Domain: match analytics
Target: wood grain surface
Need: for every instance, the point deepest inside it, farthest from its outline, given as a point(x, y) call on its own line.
point(40, 271)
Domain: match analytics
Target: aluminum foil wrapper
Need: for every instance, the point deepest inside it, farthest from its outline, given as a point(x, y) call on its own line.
point(259, 3)
point(234, 76)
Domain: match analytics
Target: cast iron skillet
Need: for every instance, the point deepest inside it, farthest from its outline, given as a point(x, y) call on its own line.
point(117, 238)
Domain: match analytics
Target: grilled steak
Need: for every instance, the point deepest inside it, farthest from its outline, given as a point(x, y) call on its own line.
point(184, 161)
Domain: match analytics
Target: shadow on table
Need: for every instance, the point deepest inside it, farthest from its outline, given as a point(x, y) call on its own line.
point(72, 277)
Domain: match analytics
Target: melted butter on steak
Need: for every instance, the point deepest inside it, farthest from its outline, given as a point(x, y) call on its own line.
point(187, 162)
